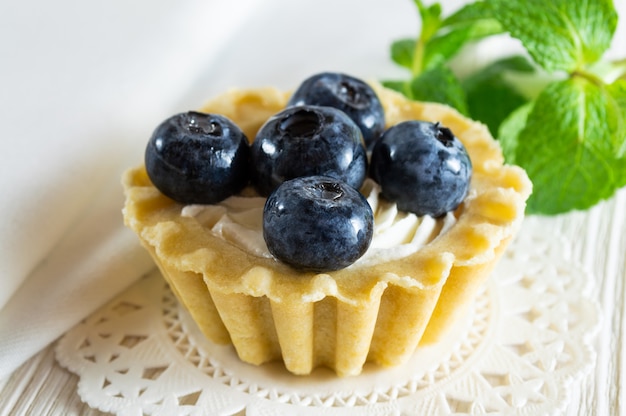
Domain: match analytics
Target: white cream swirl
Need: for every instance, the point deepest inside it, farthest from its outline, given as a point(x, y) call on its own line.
point(397, 234)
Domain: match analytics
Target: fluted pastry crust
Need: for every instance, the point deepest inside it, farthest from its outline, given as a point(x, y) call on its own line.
point(339, 319)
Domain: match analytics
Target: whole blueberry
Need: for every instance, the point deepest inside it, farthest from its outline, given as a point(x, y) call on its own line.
point(348, 94)
point(198, 158)
point(422, 167)
point(317, 223)
point(306, 141)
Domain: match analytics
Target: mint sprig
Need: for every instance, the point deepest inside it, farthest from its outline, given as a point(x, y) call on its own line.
point(570, 133)
point(439, 40)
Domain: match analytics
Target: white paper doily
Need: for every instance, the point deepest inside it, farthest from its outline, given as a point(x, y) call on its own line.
point(525, 340)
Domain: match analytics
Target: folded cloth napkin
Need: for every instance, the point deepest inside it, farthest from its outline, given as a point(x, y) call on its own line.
point(92, 262)
point(83, 86)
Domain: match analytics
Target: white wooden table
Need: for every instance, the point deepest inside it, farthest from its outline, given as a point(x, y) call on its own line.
point(41, 387)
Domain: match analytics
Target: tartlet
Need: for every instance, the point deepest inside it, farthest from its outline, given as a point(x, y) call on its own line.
point(375, 313)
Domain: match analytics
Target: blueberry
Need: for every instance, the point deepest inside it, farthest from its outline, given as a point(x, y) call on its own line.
point(306, 141)
point(422, 167)
point(198, 158)
point(348, 94)
point(317, 223)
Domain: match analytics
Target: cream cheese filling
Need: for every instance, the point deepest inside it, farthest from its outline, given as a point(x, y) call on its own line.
point(397, 234)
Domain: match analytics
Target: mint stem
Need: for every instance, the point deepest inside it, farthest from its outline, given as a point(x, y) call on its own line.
point(418, 58)
point(418, 53)
point(588, 76)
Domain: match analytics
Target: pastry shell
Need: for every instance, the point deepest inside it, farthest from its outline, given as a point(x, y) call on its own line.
point(341, 319)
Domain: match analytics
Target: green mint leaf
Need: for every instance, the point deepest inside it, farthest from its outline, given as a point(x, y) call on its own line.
point(620, 170)
point(469, 13)
point(490, 96)
point(617, 91)
point(439, 85)
point(567, 147)
point(444, 46)
point(509, 130)
point(402, 52)
point(515, 63)
point(559, 34)
point(470, 23)
point(491, 101)
point(403, 87)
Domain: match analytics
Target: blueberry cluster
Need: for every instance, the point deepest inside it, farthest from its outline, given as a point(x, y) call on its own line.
point(309, 160)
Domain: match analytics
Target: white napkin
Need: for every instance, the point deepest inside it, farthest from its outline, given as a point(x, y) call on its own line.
point(83, 85)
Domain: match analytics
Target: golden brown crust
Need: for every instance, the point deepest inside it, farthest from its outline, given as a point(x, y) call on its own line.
point(355, 311)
